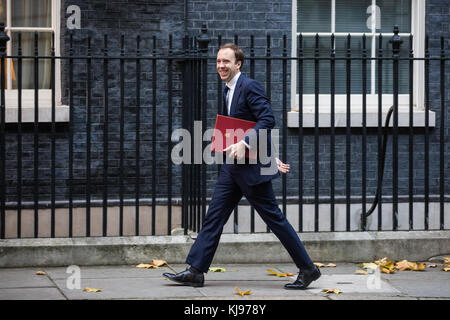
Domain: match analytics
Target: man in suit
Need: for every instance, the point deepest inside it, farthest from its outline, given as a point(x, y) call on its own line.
point(244, 98)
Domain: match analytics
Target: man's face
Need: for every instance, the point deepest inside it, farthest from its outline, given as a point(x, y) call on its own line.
point(227, 67)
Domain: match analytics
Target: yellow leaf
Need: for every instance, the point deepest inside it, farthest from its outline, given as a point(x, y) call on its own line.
point(147, 266)
point(446, 269)
point(242, 293)
point(40, 273)
point(331, 265)
point(217, 269)
point(382, 261)
point(403, 265)
point(159, 263)
point(418, 266)
point(284, 274)
point(446, 260)
point(386, 270)
point(369, 265)
point(319, 265)
point(361, 272)
point(388, 265)
point(91, 290)
point(336, 291)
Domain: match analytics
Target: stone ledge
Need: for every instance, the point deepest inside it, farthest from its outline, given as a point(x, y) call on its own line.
point(233, 248)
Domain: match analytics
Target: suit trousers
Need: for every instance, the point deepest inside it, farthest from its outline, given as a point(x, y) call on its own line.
point(228, 191)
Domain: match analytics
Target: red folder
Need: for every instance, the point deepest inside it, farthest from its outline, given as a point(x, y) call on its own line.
point(229, 130)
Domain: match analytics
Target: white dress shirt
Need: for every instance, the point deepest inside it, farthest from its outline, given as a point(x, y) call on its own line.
point(231, 86)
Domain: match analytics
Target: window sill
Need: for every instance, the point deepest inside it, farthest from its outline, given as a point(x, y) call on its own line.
point(45, 114)
point(340, 119)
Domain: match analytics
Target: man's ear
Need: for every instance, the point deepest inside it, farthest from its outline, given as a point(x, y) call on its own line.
point(239, 63)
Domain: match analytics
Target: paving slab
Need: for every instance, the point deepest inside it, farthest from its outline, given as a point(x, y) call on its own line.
point(31, 294)
point(106, 272)
point(127, 288)
point(23, 278)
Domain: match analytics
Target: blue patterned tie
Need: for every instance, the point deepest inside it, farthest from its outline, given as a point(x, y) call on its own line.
point(225, 100)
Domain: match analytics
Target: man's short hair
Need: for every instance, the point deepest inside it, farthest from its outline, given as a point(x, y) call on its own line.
point(238, 53)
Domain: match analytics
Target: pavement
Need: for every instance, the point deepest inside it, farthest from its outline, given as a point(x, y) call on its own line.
point(126, 282)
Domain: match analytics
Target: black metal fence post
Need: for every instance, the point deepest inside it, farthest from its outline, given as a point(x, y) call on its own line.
point(3, 40)
point(203, 41)
point(396, 43)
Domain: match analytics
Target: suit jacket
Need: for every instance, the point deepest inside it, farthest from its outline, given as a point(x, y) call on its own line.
point(250, 102)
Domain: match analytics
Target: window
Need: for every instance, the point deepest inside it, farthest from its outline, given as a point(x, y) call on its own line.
point(357, 17)
point(26, 17)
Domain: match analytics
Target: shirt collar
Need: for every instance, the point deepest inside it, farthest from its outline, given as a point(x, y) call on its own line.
point(233, 81)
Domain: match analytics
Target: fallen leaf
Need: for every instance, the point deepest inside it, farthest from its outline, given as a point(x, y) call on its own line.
point(159, 263)
point(418, 266)
point(382, 261)
point(40, 273)
point(91, 290)
point(285, 274)
point(446, 269)
point(446, 260)
point(331, 265)
point(403, 265)
point(217, 269)
point(242, 293)
point(386, 270)
point(319, 265)
point(336, 291)
point(406, 265)
point(433, 265)
point(361, 272)
point(147, 266)
point(369, 265)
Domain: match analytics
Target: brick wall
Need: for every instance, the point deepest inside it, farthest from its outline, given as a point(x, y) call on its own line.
point(225, 18)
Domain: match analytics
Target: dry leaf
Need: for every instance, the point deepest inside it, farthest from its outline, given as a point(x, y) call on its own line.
point(386, 270)
point(147, 266)
point(446, 269)
point(242, 293)
point(361, 272)
point(406, 265)
point(284, 274)
point(446, 260)
point(433, 265)
point(159, 263)
point(319, 265)
point(91, 290)
point(217, 269)
point(403, 265)
point(418, 266)
point(383, 261)
point(330, 265)
point(336, 291)
point(369, 265)
point(40, 273)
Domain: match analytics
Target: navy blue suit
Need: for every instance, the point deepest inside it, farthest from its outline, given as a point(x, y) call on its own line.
point(236, 180)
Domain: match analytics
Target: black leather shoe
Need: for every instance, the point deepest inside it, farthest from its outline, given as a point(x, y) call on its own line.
point(304, 279)
point(187, 277)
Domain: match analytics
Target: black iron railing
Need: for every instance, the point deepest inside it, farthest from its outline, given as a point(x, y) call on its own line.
point(187, 75)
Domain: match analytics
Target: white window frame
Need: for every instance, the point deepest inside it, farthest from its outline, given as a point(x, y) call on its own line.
point(45, 95)
point(418, 32)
